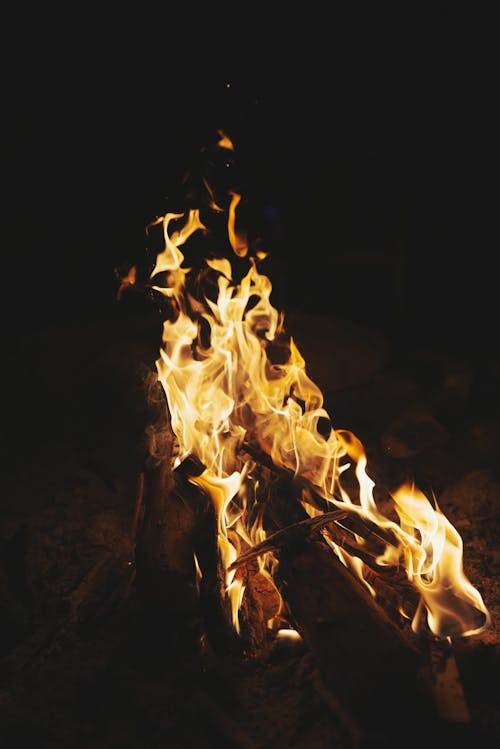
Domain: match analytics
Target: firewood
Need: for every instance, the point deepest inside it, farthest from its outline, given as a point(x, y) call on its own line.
point(367, 659)
point(288, 535)
point(286, 521)
point(166, 577)
point(215, 609)
point(446, 684)
point(374, 668)
point(260, 605)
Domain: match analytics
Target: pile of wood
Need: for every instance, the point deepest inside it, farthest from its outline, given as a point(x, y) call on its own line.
point(375, 674)
point(371, 671)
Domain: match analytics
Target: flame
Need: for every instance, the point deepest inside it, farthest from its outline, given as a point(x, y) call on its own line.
point(127, 280)
point(225, 392)
point(433, 559)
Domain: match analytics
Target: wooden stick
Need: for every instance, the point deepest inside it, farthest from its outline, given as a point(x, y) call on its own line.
point(214, 605)
point(288, 535)
point(446, 684)
point(375, 669)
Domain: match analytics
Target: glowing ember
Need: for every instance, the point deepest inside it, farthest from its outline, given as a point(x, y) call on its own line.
point(225, 393)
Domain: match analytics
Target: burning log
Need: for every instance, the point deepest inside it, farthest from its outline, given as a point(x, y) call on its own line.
point(215, 612)
point(166, 573)
point(261, 604)
point(230, 373)
point(365, 660)
point(179, 578)
point(364, 657)
point(178, 575)
point(287, 523)
point(360, 649)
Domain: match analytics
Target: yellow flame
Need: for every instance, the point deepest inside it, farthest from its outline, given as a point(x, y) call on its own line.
point(224, 390)
point(126, 281)
point(433, 556)
point(238, 241)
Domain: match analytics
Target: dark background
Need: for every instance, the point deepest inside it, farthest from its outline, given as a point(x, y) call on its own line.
point(363, 141)
point(366, 143)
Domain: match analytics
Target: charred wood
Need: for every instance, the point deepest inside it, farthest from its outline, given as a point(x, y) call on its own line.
point(215, 609)
point(372, 667)
point(367, 661)
point(166, 577)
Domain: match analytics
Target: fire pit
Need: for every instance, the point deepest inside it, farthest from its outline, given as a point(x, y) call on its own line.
point(247, 545)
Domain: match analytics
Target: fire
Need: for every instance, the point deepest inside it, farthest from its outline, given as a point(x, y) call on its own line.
point(235, 381)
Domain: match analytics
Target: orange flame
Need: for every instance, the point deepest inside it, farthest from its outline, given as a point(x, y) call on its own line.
point(224, 392)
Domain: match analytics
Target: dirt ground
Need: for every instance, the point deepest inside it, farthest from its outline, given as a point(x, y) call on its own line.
point(75, 666)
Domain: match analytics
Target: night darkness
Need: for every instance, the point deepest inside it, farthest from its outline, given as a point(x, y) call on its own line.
point(365, 155)
point(366, 140)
